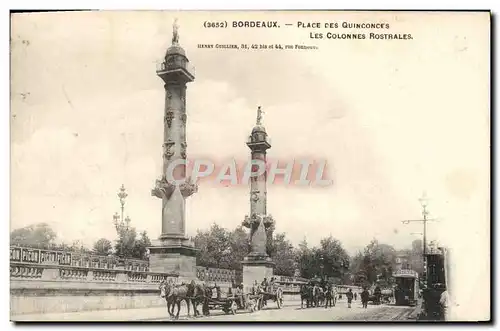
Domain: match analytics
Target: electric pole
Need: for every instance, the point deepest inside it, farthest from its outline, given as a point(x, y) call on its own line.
point(425, 213)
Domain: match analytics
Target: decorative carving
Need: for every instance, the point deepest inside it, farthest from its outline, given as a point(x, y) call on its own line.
point(255, 196)
point(169, 117)
point(169, 94)
point(184, 118)
point(269, 222)
point(168, 150)
point(163, 189)
point(253, 221)
point(188, 188)
point(183, 150)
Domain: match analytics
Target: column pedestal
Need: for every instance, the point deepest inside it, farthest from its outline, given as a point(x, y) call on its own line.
point(256, 268)
point(174, 255)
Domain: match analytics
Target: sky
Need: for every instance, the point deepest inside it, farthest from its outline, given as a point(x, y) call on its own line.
point(392, 119)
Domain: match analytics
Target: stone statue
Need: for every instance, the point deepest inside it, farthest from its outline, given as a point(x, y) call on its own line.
point(259, 116)
point(175, 33)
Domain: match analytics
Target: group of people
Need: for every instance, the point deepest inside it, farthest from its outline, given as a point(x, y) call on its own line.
point(365, 296)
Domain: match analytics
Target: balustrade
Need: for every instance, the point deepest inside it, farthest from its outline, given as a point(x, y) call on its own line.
point(137, 277)
point(105, 275)
point(25, 271)
point(73, 274)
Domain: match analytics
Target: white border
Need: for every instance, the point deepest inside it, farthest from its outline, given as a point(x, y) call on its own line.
point(177, 5)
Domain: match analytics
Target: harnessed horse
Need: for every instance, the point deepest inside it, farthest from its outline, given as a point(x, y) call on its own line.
point(174, 295)
point(305, 294)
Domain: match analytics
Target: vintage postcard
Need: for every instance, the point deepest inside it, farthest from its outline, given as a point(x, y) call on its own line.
point(250, 166)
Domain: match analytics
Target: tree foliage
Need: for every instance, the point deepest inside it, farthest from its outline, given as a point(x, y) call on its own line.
point(329, 260)
point(375, 264)
point(128, 245)
point(283, 254)
point(38, 235)
point(102, 246)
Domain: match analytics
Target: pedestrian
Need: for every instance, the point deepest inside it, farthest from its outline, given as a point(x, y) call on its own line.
point(365, 295)
point(328, 296)
point(355, 296)
point(349, 296)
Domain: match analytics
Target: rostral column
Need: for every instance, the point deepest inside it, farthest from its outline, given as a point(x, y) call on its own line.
point(174, 252)
point(257, 265)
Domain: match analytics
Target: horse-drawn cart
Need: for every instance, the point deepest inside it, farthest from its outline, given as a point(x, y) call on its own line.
point(275, 294)
point(230, 304)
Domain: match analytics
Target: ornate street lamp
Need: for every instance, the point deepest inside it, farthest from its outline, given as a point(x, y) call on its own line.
point(119, 221)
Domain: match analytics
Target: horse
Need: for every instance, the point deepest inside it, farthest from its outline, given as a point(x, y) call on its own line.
point(166, 293)
point(174, 295)
point(318, 296)
point(196, 293)
point(305, 294)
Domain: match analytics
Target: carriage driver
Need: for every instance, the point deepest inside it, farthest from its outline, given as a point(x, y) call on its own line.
point(264, 284)
point(271, 284)
point(239, 295)
point(255, 287)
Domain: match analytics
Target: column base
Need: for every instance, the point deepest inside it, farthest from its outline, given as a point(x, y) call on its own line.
point(174, 254)
point(256, 268)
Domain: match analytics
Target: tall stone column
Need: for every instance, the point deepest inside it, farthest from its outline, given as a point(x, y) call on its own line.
point(174, 252)
point(257, 265)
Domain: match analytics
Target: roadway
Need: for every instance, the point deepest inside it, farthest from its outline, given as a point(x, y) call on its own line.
point(291, 312)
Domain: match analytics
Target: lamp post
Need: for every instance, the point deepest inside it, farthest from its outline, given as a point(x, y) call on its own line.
point(119, 221)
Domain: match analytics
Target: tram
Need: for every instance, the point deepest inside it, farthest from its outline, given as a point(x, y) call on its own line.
point(436, 283)
point(406, 289)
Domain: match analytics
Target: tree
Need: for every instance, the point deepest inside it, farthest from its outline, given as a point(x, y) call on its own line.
point(78, 247)
point(102, 246)
point(240, 246)
point(284, 255)
point(305, 258)
point(141, 246)
point(332, 259)
point(38, 235)
point(125, 244)
point(214, 247)
point(378, 262)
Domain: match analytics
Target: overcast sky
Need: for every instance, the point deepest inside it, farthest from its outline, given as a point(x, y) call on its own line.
point(392, 118)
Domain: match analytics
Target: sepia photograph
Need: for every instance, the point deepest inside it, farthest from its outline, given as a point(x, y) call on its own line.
point(243, 166)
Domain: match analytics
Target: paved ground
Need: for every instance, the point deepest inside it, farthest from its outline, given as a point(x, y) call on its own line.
point(290, 312)
point(293, 313)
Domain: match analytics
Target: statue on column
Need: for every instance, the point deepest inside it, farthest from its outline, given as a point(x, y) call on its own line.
point(175, 33)
point(259, 116)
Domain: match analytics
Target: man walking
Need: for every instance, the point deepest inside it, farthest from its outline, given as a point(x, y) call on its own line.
point(328, 296)
point(365, 295)
point(349, 296)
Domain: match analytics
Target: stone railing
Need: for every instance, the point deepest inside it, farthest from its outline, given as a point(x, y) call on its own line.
point(64, 258)
point(290, 285)
point(31, 263)
point(218, 275)
point(29, 271)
